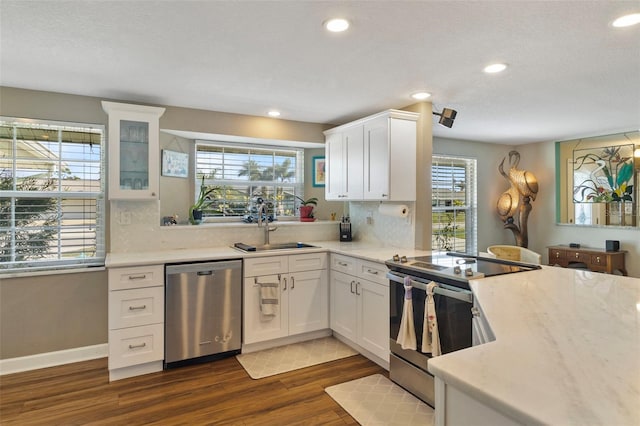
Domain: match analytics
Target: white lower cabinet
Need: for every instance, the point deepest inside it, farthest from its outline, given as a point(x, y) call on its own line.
point(360, 303)
point(136, 320)
point(303, 296)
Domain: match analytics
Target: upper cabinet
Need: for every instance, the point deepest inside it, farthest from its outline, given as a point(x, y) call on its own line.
point(134, 151)
point(373, 158)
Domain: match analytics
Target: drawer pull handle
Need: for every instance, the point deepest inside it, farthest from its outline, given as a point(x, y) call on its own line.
point(206, 342)
point(141, 345)
point(372, 272)
point(557, 254)
point(138, 277)
point(137, 308)
point(343, 264)
point(598, 259)
point(577, 255)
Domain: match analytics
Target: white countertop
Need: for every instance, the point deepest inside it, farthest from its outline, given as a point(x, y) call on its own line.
point(367, 251)
point(567, 348)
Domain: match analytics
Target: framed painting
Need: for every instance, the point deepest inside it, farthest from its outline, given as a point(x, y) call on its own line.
point(318, 171)
point(175, 164)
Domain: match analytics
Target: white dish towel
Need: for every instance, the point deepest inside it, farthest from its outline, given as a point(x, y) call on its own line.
point(407, 334)
point(430, 336)
point(269, 293)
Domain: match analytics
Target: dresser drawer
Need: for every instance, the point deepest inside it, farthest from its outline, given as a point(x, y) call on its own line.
point(597, 260)
point(270, 265)
point(373, 271)
point(307, 262)
point(556, 254)
point(576, 256)
point(345, 264)
point(130, 308)
point(136, 345)
point(136, 277)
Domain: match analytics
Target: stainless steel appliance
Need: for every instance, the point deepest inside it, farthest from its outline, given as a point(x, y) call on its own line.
point(453, 302)
point(203, 311)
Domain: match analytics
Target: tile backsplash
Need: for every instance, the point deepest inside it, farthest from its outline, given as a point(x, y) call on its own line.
point(135, 226)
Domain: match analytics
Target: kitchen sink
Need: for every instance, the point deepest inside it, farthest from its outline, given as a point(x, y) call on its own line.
point(275, 246)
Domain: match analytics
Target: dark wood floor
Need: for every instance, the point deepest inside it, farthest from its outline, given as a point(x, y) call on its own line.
point(216, 393)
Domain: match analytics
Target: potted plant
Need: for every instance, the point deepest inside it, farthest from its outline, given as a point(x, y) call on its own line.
point(306, 209)
point(204, 199)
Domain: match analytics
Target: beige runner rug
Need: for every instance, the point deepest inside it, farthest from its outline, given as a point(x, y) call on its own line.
point(293, 357)
point(377, 401)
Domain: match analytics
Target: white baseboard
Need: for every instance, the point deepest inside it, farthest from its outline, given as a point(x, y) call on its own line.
point(51, 359)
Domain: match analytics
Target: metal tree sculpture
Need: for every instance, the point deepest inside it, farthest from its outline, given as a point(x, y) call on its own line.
point(514, 205)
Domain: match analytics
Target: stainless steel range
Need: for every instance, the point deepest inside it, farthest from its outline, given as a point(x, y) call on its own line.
point(453, 302)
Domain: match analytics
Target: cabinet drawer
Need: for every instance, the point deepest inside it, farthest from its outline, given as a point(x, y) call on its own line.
point(576, 256)
point(598, 260)
point(556, 254)
point(130, 308)
point(256, 266)
point(307, 262)
point(344, 264)
point(136, 345)
point(373, 271)
point(136, 277)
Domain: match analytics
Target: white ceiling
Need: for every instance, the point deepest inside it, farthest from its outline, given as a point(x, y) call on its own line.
point(570, 73)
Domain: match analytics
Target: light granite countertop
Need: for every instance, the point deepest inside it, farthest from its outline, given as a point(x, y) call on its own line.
point(367, 251)
point(567, 348)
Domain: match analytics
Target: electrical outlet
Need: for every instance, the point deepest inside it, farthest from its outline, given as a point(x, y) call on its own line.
point(125, 218)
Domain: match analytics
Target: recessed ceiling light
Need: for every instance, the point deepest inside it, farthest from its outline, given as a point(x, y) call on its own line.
point(494, 68)
point(421, 95)
point(274, 113)
point(336, 25)
point(627, 20)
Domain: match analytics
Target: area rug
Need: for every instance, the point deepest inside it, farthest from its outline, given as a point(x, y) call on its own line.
point(293, 357)
point(377, 401)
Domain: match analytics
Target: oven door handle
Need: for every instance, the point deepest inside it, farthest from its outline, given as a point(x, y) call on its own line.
point(441, 289)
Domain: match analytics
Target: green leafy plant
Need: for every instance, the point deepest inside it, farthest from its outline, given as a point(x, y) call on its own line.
point(204, 199)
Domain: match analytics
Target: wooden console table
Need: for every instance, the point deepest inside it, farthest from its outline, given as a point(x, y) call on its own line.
point(594, 259)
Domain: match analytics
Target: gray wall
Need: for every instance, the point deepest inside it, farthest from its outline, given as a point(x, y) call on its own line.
point(490, 185)
point(543, 231)
point(41, 314)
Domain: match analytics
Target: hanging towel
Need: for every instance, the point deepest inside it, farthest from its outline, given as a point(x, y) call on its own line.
point(407, 334)
point(269, 298)
point(430, 336)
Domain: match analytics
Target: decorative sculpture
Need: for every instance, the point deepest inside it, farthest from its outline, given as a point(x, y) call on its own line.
point(514, 205)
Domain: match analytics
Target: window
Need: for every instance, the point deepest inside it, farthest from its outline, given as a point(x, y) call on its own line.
point(453, 200)
point(239, 175)
point(51, 195)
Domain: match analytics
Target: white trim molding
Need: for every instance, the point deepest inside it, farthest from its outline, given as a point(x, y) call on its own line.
point(51, 359)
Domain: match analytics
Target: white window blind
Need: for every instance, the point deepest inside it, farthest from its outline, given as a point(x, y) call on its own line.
point(51, 195)
point(241, 174)
point(454, 204)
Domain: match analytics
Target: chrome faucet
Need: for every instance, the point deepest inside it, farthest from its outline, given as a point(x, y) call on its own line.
point(262, 210)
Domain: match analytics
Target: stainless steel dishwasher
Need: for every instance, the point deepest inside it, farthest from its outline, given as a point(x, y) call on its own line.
point(203, 311)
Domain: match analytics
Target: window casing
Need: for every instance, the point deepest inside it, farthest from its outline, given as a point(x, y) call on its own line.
point(454, 203)
point(241, 174)
point(51, 195)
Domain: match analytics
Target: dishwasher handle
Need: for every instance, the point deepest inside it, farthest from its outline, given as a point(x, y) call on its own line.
point(210, 267)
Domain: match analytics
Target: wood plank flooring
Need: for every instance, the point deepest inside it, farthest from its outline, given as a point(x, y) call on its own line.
point(215, 393)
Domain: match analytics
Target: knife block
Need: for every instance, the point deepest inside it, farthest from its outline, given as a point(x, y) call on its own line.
point(345, 231)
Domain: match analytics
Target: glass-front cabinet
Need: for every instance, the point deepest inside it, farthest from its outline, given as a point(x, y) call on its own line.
point(134, 151)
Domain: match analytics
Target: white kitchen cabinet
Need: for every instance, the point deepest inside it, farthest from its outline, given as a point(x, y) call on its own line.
point(384, 165)
point(134, 151)
point(303, 296)
point(136, 320)
point(344, 165)
point(360, 303)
